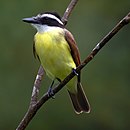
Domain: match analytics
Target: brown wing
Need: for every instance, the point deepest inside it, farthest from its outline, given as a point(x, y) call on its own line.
point(79, 99)
point(74, 49)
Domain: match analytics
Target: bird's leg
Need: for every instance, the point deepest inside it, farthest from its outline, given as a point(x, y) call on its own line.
point(74, 70)
point(50, 91)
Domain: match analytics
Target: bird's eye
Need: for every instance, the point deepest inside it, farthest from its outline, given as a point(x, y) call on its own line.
point(34, 18)
point(38, 16)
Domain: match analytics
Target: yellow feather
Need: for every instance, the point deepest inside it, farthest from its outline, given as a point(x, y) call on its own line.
point(54, 53)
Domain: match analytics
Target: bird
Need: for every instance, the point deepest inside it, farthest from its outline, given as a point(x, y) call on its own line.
point(57, 51)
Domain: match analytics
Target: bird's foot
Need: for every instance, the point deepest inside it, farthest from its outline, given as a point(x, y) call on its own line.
point(50, 91)
point(74, 70)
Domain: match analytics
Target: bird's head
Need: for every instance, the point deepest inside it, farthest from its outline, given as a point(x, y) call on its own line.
point(43, 20)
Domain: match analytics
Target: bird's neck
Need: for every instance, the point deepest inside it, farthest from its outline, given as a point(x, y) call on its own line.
point(45, 28)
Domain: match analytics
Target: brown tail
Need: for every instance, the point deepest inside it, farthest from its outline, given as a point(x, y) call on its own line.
point(79, 100)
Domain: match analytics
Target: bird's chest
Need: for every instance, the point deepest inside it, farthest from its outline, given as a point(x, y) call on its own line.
point(54, 53)
point(50, 46)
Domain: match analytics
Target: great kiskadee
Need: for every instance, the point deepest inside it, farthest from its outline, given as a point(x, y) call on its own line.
point(58, 53)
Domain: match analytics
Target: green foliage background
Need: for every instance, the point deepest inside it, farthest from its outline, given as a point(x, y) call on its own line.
point(106, 79)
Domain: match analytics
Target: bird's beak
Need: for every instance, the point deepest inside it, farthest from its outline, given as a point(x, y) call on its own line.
point(30, 20)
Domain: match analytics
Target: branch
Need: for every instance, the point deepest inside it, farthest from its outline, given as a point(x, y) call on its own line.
point(32, 111)
point(36, 87)
point(34, 103)
point(68, 11)
point(97, 48)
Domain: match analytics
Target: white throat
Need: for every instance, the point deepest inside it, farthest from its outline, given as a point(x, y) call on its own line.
point(44, 28)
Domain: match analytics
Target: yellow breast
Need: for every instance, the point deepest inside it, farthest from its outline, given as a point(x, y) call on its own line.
point(54, 53)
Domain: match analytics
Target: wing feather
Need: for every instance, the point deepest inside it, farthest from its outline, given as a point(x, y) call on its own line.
point(74, 49)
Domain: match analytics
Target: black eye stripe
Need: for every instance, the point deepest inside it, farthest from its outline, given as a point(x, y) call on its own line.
point(49, 21)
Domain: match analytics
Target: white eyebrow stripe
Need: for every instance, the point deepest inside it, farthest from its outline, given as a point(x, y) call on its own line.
point(53, 17)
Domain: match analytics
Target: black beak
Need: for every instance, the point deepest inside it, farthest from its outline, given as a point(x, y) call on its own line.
point(31, 20)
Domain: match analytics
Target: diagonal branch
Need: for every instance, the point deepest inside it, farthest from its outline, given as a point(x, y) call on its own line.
point(97, 48)
point(34, 108)
point(32, 111)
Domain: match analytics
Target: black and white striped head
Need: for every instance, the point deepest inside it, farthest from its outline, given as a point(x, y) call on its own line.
point(51, 19)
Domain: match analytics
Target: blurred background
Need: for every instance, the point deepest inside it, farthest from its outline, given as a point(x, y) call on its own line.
point(106, 79)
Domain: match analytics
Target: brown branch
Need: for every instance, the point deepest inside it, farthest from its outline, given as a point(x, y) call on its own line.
point(37, 104)
point(97, 48)
point(68, 11)
point(36, 87)
point(32, 111)
point(34, 103)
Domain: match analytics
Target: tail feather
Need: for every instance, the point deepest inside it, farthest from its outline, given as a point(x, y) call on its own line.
point(75, 102)
point(79, 100)
point(83, 101)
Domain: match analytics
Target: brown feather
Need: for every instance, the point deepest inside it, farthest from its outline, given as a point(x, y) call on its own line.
point(73, 47)
point(75, 102)
point(82, 99)
point(79, 99)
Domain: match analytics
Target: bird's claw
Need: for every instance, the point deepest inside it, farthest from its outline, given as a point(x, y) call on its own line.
point(74, 70)
point(50, 93)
